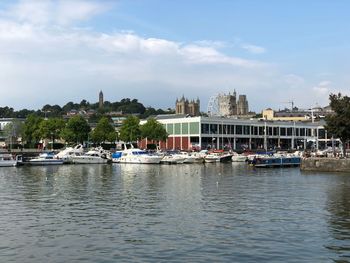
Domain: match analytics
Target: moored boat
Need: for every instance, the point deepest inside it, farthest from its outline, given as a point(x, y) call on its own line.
point(67, 154)
point(218, 156)
point(276, 161)
point(7, 160)
point(239, 157)
point(46, 159)
point(135, 155)
point(94, 156)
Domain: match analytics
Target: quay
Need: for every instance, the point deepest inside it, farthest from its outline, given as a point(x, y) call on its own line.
point(325, 164)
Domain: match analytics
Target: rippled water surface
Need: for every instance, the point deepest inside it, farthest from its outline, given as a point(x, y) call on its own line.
point(175, 213)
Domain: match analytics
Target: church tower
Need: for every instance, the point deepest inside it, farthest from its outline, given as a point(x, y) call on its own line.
point(100, 100)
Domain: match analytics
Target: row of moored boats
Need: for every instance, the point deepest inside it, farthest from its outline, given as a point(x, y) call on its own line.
point(77, 155)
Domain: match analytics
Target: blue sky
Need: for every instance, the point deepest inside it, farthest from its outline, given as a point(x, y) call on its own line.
point(55, 51)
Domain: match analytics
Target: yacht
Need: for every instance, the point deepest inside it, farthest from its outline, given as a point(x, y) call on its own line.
point(94, 156)
point(135, 155)
point(190, 157)
point(173, 158)
point(8, 160)
point(239, 157)
point(218, 156)
point(46, 159)
point(67, 154)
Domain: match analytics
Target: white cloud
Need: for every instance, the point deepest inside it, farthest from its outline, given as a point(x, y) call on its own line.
point(294, 81)
point(47, 60)
point(253, 49)
point(323, 88)
point(60, 12)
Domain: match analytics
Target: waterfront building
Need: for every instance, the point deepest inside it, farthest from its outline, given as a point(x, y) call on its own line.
point(313, 114)
point(100, 100)
point(188, 133)
point(184, 106)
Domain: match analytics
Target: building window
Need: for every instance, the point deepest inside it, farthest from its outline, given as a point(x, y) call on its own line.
point(194, 128)
point(246, 130)
point(239, 129)
point(213, 128)
point(205, 128)
point(184, 128)
point(321, 134)
point(232, 129)
point(283, 131)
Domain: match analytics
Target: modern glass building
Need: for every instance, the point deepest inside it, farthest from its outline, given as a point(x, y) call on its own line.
point(186, 133)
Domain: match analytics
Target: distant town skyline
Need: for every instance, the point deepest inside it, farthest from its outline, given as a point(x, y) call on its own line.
point(56, 51)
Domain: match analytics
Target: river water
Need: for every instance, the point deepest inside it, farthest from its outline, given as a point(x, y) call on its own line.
point(176, 213)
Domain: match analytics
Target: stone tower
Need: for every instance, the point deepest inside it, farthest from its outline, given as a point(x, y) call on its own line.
point(184, 106)
point(100, 100)
point(242, 105)
point(227, 104)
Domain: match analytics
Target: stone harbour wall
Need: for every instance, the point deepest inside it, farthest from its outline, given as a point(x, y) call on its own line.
point(325, 164)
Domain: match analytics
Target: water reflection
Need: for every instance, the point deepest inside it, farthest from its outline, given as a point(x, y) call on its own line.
point(189, 213)
point(338, 205)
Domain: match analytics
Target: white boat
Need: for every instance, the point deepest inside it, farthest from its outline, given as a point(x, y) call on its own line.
point(135, 155)
point(94, 156)
point(67, 154)
point(190, 157)
point(239, 157)
point(173, 159)
point(46, 159)
point(218, 157)
point(7, 160)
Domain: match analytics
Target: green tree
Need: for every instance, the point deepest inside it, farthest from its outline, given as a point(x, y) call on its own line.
point(130, 129)
point(153, 130)
point(76, 131)
point(51, 128)
point(31, 132)
point(104, 131)
point(338, 124)
point(13, 131)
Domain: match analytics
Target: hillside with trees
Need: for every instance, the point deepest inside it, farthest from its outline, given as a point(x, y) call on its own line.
point(125, 106)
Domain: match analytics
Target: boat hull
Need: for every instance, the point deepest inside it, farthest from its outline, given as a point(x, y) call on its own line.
point(88, 160)
point(141, 160)
point(45, 162)
point(8, 163)
point(276, 162)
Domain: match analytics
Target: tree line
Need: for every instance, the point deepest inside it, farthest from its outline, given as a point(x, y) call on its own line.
point(77, 130)
point(126, 106)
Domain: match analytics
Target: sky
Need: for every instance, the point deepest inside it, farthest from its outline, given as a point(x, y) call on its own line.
point(275, 52)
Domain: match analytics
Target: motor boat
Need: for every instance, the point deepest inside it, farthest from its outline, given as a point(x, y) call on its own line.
point(67, 154)
point(46, 159)
point(173, 158)
point(135, 155)
point(94, 156)
point(276, 161)
point(218, 156)
point(7, 160)
point(239, 157)
point(190, 157)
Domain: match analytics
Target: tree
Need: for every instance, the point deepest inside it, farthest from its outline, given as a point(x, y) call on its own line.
point(130, 129)
point(338, 124)
point(13, 131)
point(104, 131)
point(153, 130)
point(76, 131)
point(31, 133)
point(51, 128)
